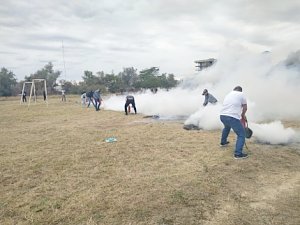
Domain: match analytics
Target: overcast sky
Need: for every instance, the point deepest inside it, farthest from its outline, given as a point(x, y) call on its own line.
point(108, 35)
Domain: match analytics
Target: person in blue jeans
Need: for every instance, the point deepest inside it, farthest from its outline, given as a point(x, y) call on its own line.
point(97, 99)
point(233, 110)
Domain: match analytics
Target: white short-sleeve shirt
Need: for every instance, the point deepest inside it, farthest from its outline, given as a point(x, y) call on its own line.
point(232, 105)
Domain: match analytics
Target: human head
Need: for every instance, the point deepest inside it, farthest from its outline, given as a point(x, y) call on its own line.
point(205, 92)
point(238, 88)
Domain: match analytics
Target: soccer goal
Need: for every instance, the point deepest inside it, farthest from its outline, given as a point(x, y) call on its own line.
point(33, 90)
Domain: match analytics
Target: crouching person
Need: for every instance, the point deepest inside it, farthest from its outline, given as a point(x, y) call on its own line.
point(130, 100)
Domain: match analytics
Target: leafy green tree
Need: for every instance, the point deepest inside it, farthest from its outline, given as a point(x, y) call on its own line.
point(100, 76)
point(46, 73)
point(171, 81)
point(113, 83)
point(93, 82)
point(73, 87)
point(148, 78)
point(128, 77)
point(7, 82)
point(89, 79)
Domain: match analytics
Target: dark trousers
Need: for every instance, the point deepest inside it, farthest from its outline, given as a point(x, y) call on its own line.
point(128, 102)
point(97, 104)
point(90, 99)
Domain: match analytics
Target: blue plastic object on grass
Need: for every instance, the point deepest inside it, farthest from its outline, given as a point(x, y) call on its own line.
point(110, 139)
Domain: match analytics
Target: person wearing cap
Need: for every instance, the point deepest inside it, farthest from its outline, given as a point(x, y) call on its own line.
point(233, 110)
point(209, 98)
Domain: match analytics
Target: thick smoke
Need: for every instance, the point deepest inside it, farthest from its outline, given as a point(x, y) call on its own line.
point(272, 91)
point(274, 133)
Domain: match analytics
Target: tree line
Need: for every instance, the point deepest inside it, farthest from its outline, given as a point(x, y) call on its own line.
point(127, 80)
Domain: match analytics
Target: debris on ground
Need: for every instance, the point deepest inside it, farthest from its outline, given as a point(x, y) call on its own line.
point(110, 139)
point(152, 116)
point(191, 127)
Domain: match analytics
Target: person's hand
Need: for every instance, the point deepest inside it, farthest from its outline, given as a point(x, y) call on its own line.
point(244, 117)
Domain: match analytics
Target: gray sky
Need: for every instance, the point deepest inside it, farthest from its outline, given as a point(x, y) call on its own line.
point(109, 35)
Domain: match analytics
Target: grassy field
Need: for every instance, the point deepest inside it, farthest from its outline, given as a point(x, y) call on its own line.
point(56, 168)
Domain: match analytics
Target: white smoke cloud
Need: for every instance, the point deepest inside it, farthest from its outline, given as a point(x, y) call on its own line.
point(206, 118)
point(272, 91)
point(274, 133)
point(175, 102)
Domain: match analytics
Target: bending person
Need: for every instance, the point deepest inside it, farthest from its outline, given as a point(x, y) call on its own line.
point(129, 100)
point(209, 98)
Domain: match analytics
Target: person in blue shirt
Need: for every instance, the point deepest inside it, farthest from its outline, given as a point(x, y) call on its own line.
point(209, 98)
point(97, 99)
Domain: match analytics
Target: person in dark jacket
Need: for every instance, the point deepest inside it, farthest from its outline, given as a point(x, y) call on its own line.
point(45, 96)
point(89, 97)
point(24, 97)
point(129, 100)
point(97, 99)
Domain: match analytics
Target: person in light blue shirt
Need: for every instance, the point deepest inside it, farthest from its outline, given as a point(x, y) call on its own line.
point(209, 98)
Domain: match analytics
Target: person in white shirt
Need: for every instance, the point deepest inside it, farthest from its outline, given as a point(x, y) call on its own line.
point(63, 95)
point(83, 99)
point(233, 110)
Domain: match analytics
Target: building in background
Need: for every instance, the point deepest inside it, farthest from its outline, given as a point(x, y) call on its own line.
point(202, 64)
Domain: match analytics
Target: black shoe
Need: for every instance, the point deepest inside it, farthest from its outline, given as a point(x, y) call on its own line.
point(225, 144)
point(241, 156)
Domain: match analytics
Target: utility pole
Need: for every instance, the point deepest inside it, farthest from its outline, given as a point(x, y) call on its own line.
point(63, 54)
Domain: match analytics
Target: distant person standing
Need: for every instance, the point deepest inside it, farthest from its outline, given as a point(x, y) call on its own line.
point(234, 108)
point(209, 98)
point(129, 100)
point(63, 95)
point(44, 94)
point(24, 97)
point(83, 99)
point(97, 99)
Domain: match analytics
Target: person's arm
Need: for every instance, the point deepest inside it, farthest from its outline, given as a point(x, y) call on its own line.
point(244, 110)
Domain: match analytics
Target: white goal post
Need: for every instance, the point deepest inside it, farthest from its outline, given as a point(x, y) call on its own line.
point(33, 91)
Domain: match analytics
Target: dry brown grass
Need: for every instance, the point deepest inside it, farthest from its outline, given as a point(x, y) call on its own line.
point(57, 169)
